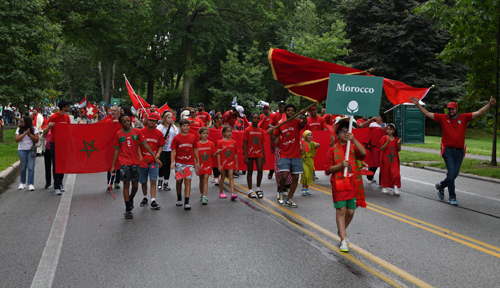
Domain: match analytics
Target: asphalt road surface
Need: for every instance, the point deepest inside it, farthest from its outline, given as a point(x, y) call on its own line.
point(81, 239)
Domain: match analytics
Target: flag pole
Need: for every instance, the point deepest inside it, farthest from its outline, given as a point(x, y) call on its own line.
point(348, 150)
point(136, 96)
point(289, 119)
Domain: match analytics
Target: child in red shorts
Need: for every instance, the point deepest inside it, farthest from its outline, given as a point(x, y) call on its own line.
point(228, 160)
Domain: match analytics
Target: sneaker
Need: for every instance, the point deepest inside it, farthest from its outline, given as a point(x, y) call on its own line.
point(440, 191)
point(117, 186)
point(144, 202)
point(57, 192)
point(21, 186)
point(236, 175)
point(260, 194)
point(251, 195)
point(343, 246)
point(217, 181)
point(395, 192)
point(304, 192)
point(314, 176)
point(62, 188)
point(166, 187)
point(279, 198)
point(47, 186)
point(347, 240)
point(178, 203)
point(291, 204)
point(222, 195)
point(128, 215)
point(155, 205)
point(385, 191)
point(31, 187)
point(130, 205)
point(233, 197)
point(204, 200)
point(187, 207)
point(307, 192)
point(160, 184)
point(453, 201)
point(372, 181)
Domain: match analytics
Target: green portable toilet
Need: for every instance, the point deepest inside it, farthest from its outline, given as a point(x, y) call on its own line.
point(410, 123)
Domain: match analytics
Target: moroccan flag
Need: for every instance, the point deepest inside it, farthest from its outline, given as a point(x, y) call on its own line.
point(304, 146)
point(83, 103)
point(369, 138)
point(183, 173)
point(164, 108)
point(84, 148)
point(399, 93)
point(91, 111)
point(137, 100)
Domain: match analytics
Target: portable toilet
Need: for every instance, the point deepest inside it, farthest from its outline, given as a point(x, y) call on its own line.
point(410, 123)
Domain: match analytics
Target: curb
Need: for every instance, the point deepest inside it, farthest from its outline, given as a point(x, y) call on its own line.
point(489, 179)
point(6, 173)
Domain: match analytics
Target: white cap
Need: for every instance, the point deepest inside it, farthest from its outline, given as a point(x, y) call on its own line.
point(240, 110)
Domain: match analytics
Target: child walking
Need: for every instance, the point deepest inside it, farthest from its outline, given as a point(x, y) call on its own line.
point(184, 155)
point(253, 150)
point(345, 190)
point(206, 151)
point(308, 153)
point(228, 160)
point(390, 145)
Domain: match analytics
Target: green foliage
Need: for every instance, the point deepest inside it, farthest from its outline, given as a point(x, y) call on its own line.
point(27, 63)
point(8, 149)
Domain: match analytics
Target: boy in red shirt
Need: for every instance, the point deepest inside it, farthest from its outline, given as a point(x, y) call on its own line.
point(253, 150)
point(184, 155)
point(155, 140)
point(290, 156)
point(127, 146)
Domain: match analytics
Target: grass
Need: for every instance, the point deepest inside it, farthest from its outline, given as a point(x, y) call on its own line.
point(478, 142)
point(471, 166)
point(8, 150)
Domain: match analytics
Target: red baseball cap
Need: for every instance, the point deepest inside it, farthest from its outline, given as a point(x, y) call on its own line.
point(452, 105)
point(153, 116)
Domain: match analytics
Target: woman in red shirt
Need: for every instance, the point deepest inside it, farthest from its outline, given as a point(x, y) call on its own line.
point(194, 120)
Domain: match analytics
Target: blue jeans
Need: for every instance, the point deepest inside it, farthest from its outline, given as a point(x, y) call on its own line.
point(27, 162)
point(453, 159)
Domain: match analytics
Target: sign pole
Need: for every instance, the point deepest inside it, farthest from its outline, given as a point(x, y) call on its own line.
point(351, 118)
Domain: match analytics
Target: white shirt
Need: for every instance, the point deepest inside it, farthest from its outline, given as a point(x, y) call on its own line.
point(26, 143)
point(168, 141)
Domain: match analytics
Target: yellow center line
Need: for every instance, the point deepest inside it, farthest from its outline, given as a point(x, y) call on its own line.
point(403, 274)
point(449, 234)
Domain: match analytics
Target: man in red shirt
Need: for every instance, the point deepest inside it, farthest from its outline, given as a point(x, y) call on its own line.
point(229, 117)
point(315, 122)
point(59, 117)
point(203, 115)
point(148, 167)
point(453, 126)
point(290, 156)
point(265, 118)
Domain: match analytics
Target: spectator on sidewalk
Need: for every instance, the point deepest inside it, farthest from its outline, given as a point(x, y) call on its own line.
point(453, 126)
point(26, 136)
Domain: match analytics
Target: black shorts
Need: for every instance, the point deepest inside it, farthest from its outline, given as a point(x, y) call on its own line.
point(129, 173)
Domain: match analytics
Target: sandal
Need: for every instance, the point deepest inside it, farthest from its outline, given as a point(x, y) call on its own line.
point(251, 195)
point(260, 194)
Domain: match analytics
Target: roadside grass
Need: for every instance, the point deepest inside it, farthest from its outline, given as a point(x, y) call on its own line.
point(8, 150)
point(471, 166)
point(478, 142)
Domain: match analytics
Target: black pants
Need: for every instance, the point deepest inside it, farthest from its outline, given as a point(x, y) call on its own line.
point(116, 177)
point(58, 178)
point(216, 172)
point(47, 158)
point(370, 177)
point(165, 164)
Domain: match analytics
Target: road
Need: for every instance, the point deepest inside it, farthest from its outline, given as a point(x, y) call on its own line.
point(82, 239)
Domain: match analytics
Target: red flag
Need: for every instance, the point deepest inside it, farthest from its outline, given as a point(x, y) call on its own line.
point(137, 100)
point(164, 108)
point(304, 146)
point(84, 148)
point(183, 174)
point(91, 111)
point(83, 103)
point(399, 93)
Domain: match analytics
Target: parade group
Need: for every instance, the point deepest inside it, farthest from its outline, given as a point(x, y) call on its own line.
point(150, 145)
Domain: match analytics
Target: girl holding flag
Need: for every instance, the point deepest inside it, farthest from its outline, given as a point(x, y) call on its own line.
point(228, 160)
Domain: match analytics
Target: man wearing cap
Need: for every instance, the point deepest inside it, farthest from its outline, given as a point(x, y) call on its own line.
point(277, 116)
point(453, 126)
point(203, 115)
point(59, 117)
point(265, 118)
point(229, 117)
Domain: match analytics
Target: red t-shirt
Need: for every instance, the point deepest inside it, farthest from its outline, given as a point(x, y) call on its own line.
point(206, 151)
point(289, 142)
point(197, 122)
point(453, 129)
point(227, 156)
point(109, 119)
point(128, 143)
point(228, 117)
point(264, 121)
point(155, 139)
point(184, 146)
point(255, 139)
point(204, 116)
point(58, 118)
point(275, 118)
point(315, 123)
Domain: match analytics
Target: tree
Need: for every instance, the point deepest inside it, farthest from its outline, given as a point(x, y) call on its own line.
point(475, 40)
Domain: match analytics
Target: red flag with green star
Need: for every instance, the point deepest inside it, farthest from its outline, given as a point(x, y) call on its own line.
point(84, 148)
point(183, 173)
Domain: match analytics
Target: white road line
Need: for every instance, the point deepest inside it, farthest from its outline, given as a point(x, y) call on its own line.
point(47, 266)
point(456, 190)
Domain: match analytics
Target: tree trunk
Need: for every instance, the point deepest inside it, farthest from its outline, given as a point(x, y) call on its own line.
point(109, 70)
point(495, 119)
point(151, 87)
point(102, 83)
point(178, 81)
point(72, 89)
point(113, 91)
point(187, 78)
point(1, 134)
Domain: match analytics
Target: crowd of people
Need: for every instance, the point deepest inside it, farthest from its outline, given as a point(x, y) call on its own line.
point(150, 145)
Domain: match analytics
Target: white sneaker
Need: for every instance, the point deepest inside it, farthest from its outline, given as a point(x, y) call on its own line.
point(31, 187)
point(217, 181)
point(343, 246)
point(21, 186)
point(372, 181)
point(62, 188)
point(385, 191)
point(57, 192)
point(395, 192)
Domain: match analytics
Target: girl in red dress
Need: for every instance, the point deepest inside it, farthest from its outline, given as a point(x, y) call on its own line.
point(253, 150)
point(228, 160)
point(206, 151)
point(390, 145)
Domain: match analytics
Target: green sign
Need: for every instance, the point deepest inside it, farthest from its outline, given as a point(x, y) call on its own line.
point(354, 95)
point(115, 101)
point(103, 103)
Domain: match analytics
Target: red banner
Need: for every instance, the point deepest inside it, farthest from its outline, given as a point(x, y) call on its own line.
point(84, 148)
